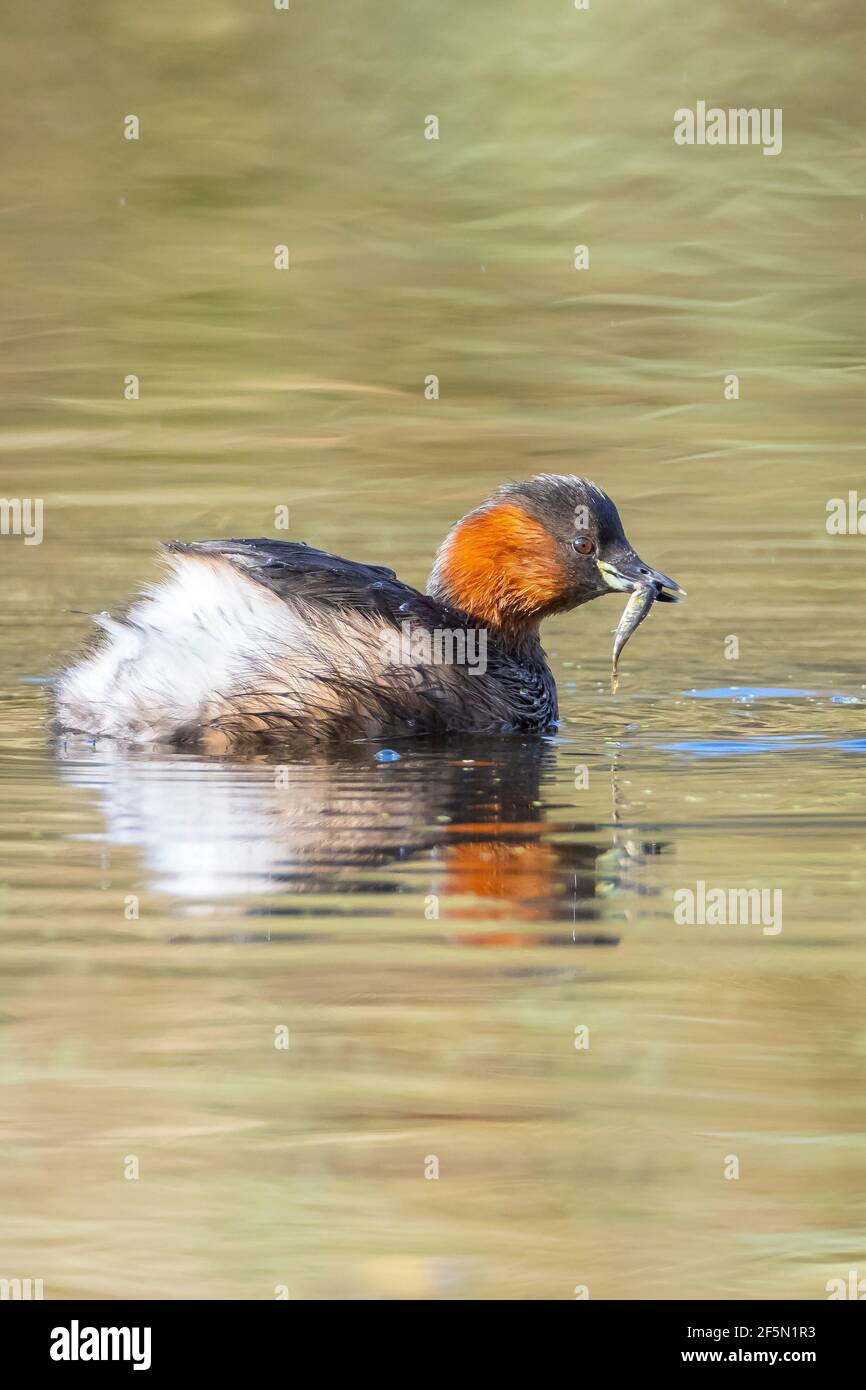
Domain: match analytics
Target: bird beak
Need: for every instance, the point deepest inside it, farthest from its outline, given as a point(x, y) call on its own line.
point(630, 573)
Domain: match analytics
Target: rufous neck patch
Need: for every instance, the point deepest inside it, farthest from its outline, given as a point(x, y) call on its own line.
point(502, 567)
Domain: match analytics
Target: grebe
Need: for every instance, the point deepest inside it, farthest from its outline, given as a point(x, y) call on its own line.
point(272, 639)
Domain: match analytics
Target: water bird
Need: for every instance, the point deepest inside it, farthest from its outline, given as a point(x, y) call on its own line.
point(267, 639)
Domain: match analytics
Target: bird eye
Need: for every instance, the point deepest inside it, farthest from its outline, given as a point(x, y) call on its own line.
point(583, 545)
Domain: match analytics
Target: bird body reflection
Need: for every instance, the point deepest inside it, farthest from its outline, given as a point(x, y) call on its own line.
point(464, 822)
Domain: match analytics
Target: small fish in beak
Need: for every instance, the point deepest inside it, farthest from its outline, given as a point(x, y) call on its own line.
point(641, 600)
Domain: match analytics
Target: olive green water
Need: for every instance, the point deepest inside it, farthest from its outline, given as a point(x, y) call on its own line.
point(306, 899)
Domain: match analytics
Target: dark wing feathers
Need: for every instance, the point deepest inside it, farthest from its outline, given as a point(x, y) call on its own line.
point(299, 572)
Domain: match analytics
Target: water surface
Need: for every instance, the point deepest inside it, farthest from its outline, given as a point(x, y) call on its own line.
point(432, 930)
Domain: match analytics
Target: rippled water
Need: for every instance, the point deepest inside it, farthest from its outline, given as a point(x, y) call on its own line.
point(432, 930)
